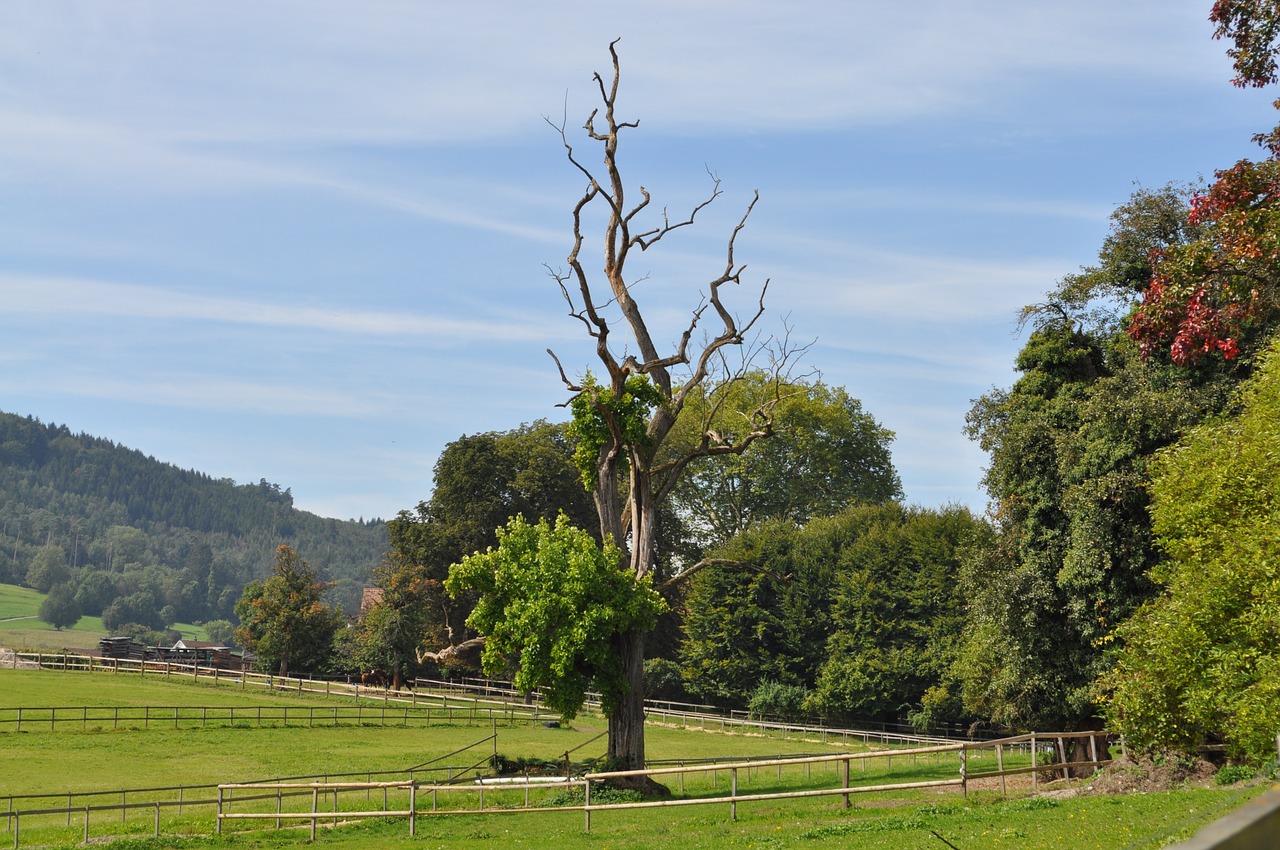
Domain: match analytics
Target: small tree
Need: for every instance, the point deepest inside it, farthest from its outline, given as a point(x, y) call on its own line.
point(60, 609)
point(405, 617)
point(552, 598)
point(282, 619)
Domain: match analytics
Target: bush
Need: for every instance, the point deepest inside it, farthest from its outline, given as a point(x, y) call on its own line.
point(662, 680)
point(1230, 774)
point(774, 699)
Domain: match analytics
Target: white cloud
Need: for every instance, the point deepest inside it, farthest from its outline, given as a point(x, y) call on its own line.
point(63, 295)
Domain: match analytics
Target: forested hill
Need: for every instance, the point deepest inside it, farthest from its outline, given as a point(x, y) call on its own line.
point(190, 540)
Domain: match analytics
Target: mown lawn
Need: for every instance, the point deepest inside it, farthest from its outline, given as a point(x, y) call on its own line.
point(70, 761)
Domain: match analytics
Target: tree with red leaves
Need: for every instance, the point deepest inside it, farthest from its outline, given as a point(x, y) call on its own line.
point(1210, 294)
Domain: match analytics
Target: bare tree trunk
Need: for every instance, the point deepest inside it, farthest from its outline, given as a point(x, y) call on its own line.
point(626, 724)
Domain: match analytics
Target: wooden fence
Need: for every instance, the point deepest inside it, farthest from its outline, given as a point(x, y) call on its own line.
point(55, 718)
point(967, 757)
point(331, 796)
point(496, 696)
point(85, 804)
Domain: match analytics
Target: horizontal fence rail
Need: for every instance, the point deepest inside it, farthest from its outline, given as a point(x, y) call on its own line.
point(425, 713)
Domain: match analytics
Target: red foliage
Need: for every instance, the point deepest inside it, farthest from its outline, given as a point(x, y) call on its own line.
point(1202, 294)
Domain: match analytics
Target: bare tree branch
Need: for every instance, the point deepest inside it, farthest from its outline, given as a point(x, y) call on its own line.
point(449, 653)
point(717, 562)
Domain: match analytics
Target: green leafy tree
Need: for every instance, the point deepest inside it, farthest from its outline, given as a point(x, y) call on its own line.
point(283, 620)
point(825, 454)
point(60, 609)
point(861, 608)
point(220, 631)
point(554, 602)
point(1070, 446)
point(95, 590)
point(480, 482)
point(1201, 662)
point(896, 616)
point(405, 618)
point(49, 567)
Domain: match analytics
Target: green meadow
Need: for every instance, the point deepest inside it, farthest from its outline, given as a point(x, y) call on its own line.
point(21, 629)
point(71, 759)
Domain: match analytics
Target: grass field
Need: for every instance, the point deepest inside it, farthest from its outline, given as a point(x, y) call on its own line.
point(20, 629)
point(69, 760)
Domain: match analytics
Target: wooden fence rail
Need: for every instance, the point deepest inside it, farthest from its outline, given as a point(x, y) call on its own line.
point(53, 718)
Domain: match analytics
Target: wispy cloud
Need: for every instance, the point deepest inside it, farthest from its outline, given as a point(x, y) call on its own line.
point(64, 295)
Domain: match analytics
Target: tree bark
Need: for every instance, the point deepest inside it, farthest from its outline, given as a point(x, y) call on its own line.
point(626, 724)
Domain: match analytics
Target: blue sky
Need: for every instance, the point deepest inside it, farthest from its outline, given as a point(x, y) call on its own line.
point(305, 240)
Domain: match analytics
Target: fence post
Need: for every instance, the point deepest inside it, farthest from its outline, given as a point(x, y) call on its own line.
point(964, 772)
point(1000, 767)
point(413, 809)
point(219, 810)
point(733, 793)
point(315, 810)
point(586, 806)
point(1035, 765)
point(844, 778)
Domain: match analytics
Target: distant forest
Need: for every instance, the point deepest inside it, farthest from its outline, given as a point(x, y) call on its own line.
point(141, 541)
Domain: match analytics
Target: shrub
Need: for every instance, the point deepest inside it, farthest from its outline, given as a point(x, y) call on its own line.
point(774, 699)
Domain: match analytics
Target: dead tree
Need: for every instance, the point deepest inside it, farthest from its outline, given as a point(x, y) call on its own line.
point(634, 468)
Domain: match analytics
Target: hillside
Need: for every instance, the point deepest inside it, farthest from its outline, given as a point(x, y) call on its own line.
point(156, 541)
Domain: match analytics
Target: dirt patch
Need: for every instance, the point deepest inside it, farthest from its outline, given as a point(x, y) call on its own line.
point(1130, 774)
point(7, 661)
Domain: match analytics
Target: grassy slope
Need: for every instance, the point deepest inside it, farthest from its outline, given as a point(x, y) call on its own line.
point(19, 628)
point(69, 759)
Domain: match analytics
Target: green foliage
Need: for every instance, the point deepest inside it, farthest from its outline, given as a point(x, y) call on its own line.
point(282, 619)
point(1070, 447)
point(862, 608)
point(663, 680)
point(403, 619)
point(60, 609)
point(554, 601)
point(896, 614)
point(480, 482)
point(774, 700)
point(1200, 662)
point(220, 631)
point(825, 453)
point(48, 568)
point(599, 413)
point(1230, 774)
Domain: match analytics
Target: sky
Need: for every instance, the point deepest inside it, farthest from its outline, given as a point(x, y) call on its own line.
point(309, 240)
